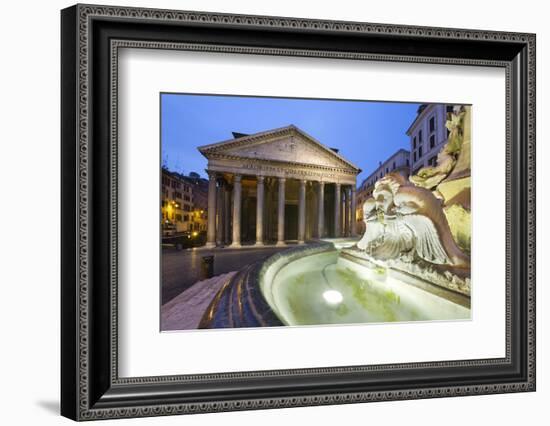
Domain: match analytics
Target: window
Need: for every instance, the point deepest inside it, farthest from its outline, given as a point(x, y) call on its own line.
point(414, 156)
point(432, 161)
point(186, 218)
point(414, 142)
point(178, 217)
point(432, 124)
point(186, 208)
point(177, 194)
point(166, 180)
point(173, 184)
point(186, 198)
point(387, 170)
point(432, 141)
point(408, 162)
point(419, 152)
point(393, 165)
point(419, 137)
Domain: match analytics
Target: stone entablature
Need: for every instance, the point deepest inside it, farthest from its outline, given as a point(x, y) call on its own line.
point(279, 169)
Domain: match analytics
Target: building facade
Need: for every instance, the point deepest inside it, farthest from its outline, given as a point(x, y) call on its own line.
point(427, 135)
point(398, 162)
point(199, 209)
point(183, 203)
point(277, 186)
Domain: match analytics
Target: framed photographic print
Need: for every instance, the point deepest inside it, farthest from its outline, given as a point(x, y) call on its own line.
point(263, 212)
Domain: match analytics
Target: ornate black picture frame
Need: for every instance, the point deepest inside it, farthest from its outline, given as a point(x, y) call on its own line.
point(91, 387)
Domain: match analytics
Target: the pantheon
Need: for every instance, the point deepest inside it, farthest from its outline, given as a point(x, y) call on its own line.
point(278, 186)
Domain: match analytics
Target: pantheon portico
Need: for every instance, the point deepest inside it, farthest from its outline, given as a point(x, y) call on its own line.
point(278, 186)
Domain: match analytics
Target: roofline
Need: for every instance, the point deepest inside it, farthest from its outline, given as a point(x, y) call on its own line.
point(409, 130)
point(328, 149)
point(176, 175)
point(385, 161)
point(203, 148)
point(397, 169)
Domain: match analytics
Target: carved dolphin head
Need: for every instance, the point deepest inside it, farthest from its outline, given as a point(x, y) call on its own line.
point(407, 203)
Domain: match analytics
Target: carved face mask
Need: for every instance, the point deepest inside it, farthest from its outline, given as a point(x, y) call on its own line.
point(369, 208)
point(384, 199)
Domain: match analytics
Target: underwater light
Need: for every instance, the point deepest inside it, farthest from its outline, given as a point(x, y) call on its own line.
point(333, 297)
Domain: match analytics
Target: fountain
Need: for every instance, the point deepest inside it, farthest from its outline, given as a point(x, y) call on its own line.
point(411, 264)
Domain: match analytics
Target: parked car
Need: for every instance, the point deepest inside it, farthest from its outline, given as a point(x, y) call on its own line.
point(186, 239)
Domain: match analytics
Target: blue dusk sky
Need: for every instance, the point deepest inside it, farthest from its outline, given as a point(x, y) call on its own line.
point(364, 132)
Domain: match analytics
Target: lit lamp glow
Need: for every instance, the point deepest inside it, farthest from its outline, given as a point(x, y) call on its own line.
point(333, 297)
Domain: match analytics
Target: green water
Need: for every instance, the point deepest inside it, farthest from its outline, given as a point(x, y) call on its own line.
point(367, 295)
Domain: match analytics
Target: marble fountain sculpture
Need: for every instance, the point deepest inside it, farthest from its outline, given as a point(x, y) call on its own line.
point(411, 264)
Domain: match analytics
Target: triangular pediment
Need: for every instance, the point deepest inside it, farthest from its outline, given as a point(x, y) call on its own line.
point(287, 145)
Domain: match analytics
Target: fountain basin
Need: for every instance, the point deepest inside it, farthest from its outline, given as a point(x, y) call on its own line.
point(325, 286)
point(323, 283)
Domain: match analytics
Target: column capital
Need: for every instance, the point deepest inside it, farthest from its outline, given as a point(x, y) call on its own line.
point(303, 181)
point(260, 178)
point(282, 179)
point(212, 174)
point(321, 183)
point(237, 178)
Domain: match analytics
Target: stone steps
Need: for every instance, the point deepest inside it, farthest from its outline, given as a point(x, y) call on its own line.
point(185, 311)
point(240, 303)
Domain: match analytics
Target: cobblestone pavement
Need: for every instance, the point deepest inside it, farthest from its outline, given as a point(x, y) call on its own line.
point(182, 269)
